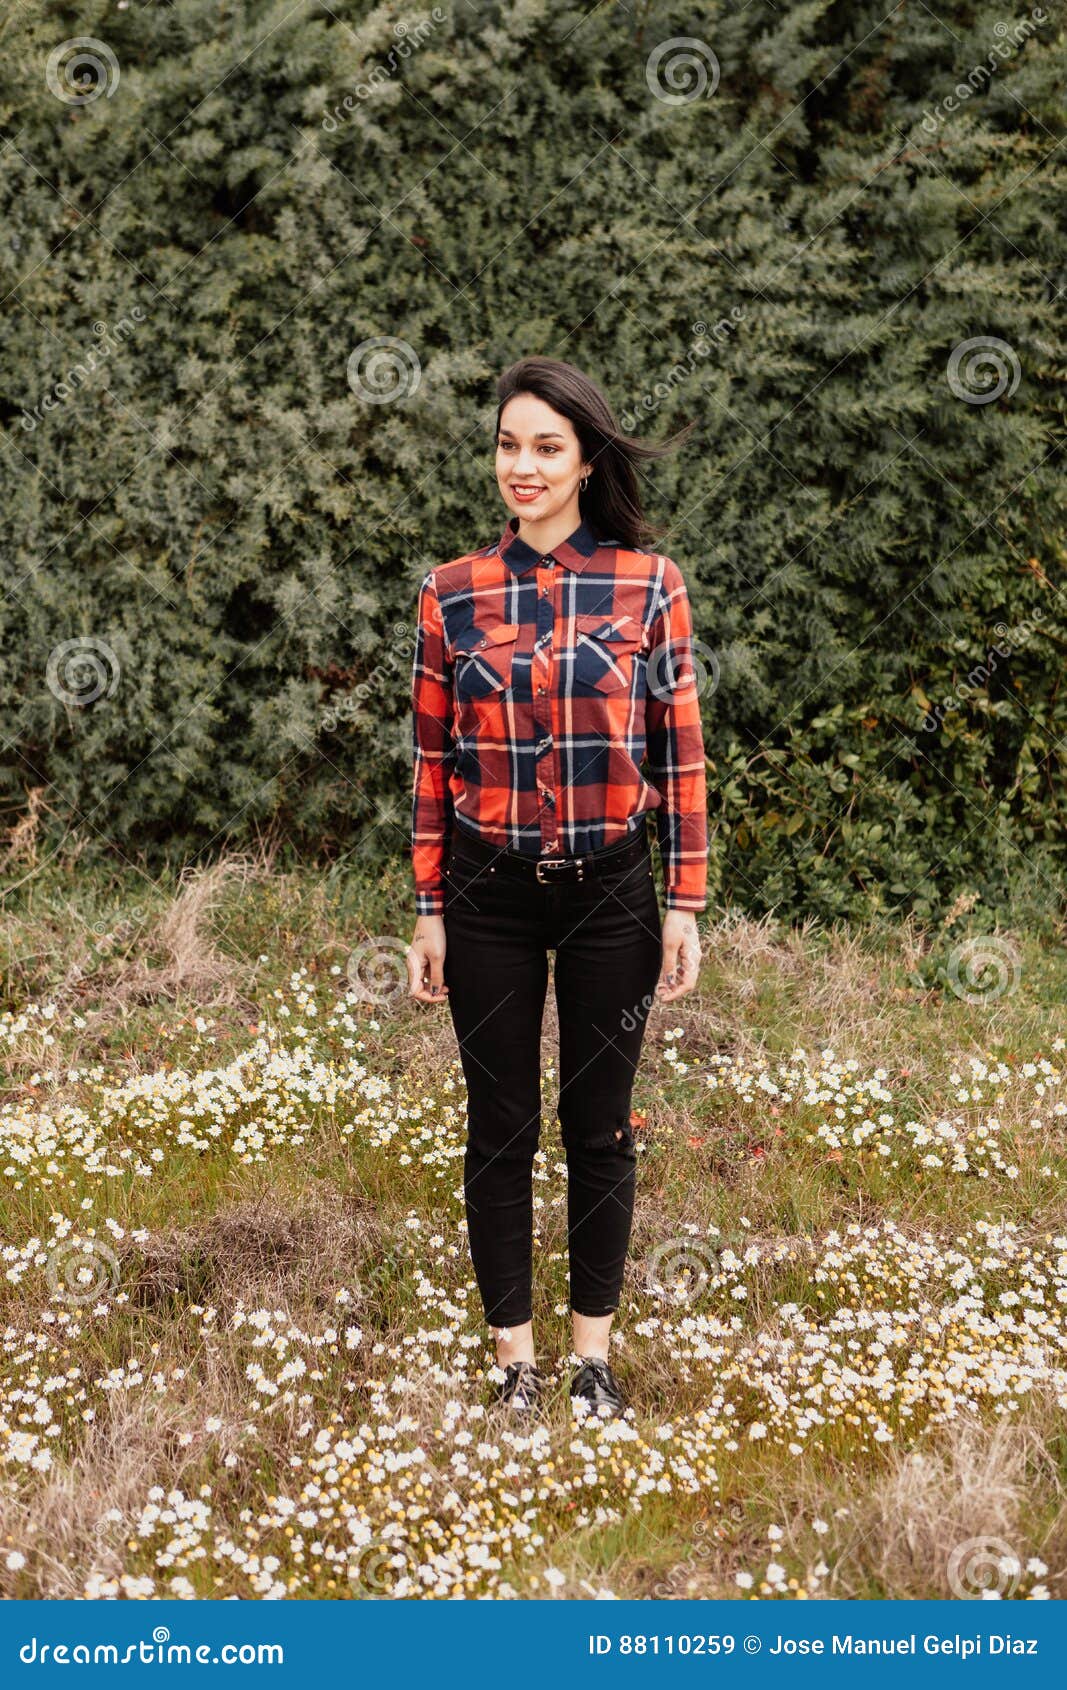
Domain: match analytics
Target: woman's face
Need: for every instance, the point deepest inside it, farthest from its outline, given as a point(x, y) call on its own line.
point(538, 460)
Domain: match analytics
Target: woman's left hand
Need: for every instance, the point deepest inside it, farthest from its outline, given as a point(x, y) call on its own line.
point(681, 956)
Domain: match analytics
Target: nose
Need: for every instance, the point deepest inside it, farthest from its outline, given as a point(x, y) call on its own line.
point(525, 466)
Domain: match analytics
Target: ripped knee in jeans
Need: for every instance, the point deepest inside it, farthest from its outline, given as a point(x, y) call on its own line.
point(619, 1138)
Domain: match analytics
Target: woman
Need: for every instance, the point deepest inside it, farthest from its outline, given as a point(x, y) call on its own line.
point(546, 666)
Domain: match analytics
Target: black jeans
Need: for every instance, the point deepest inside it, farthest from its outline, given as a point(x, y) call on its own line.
point(606, 932)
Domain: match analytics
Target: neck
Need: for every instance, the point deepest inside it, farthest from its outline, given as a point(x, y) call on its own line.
point(551, 530)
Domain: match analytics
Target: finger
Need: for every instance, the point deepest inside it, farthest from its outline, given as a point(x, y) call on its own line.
point(669, 967)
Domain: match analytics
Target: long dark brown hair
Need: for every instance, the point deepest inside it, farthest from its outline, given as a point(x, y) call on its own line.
point(611, 503)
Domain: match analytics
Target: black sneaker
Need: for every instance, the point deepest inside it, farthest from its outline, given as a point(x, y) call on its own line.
point(597, 1385)
point(523, 1387)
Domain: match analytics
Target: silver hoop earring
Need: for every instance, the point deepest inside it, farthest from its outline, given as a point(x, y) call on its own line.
point(584, 483)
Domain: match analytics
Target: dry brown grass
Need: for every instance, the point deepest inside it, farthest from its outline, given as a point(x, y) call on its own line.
point(267, 1251)
point(184, 933)
point(973, 1485)
point(61, 1517)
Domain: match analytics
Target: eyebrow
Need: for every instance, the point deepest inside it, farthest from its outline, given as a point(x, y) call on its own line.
point(545, 434)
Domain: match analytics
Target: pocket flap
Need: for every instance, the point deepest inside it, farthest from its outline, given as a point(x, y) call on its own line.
point(502, 633)
point(620, 630)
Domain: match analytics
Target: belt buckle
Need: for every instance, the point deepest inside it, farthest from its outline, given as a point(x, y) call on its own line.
point(560, 862)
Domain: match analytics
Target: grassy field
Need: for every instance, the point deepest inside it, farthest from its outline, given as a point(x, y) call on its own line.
point(243, 1352)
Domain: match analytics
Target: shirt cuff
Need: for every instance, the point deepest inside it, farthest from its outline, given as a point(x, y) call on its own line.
point(430, 902)
point(687, 901)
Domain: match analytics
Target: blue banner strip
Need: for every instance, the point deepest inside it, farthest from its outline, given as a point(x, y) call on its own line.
point(441, 1644)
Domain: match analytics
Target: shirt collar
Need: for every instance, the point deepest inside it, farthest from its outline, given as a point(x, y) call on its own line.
point(575, 552)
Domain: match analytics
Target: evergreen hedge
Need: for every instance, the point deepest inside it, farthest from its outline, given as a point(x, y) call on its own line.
point(214, 522)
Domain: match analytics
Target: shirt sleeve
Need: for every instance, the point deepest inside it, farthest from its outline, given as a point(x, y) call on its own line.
point(433, 753)
point(674, 745)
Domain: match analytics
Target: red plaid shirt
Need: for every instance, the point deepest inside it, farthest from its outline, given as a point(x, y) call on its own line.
point(538, 685)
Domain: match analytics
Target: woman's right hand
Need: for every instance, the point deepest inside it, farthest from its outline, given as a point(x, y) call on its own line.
point(426, 960)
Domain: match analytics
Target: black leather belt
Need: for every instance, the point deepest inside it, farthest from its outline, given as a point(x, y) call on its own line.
point(548, 871)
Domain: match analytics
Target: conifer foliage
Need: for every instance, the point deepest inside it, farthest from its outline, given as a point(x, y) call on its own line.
point(262, 263)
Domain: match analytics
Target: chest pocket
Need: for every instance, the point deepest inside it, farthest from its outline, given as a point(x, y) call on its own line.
point(484, 661)
point(605, 648)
